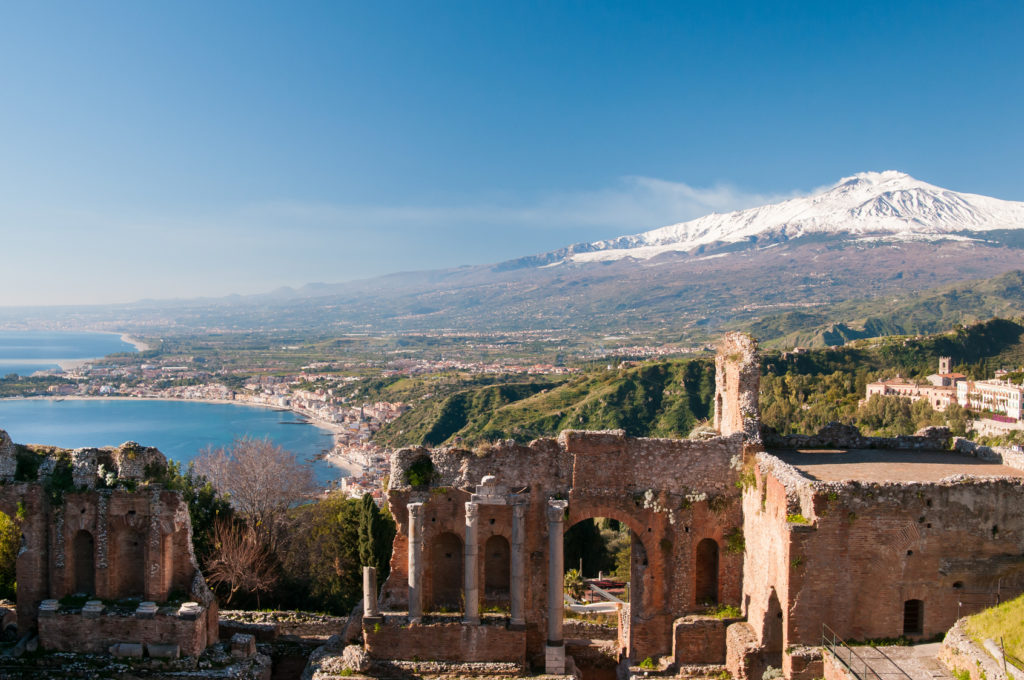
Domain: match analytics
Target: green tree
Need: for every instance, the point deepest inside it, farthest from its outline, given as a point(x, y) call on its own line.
point(10, 540)
point(574, 585)
point(376, 534)
point(320, 558)
point(585, 545)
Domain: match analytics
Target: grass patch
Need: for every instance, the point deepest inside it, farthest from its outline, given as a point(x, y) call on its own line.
point(797, 518)
point(724, 611)
point(1004, 621)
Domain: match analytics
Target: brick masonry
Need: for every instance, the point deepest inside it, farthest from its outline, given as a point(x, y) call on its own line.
point(111, 543)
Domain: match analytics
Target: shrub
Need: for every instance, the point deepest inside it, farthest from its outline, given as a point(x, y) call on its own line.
point(421, 472)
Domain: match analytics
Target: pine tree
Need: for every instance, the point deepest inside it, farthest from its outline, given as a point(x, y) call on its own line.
point(376, 534)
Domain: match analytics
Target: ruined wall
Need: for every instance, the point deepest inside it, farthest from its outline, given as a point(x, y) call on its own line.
point(446, 641)
point(671, 493)
point(867, 548)
point(93, 524)
point(737, 386)
point(72, 632)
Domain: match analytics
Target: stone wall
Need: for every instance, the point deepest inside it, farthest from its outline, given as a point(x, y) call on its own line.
point(737, 386)
point(445, 641)
point(108, 533)
point(858, 551)
point(72, 632)
point(838, 436)
point(960, 653)
point(671, 493)
point(699, 640)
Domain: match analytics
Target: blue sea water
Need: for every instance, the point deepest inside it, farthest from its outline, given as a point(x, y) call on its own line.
point(24, 352)
point(179, 429)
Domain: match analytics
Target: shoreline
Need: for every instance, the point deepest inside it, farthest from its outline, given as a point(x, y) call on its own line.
point(138, 344)
point(332, 458)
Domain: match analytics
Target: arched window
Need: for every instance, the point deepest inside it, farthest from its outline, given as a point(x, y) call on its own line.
point(83, 549)
point(706, 573)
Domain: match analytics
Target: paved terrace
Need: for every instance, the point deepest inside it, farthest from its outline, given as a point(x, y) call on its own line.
point(880, 465)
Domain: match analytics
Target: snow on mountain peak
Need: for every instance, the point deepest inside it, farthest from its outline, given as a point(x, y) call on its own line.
point(888, 204)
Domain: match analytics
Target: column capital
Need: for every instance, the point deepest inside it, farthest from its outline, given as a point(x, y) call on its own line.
point(472, 511)
point(556, 510)
point(415, 509)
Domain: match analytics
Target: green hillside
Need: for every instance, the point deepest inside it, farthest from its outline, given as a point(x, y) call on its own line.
point(921, 313)
point(799, 392)
point(662, 398)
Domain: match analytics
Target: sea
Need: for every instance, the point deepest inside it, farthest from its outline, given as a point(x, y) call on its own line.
point(180, 429)
point(25, 352)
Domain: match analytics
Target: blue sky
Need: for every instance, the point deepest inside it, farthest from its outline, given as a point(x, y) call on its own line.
point(205, 148)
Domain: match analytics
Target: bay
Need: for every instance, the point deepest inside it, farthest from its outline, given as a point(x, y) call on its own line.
point(180, 429)
point(25, 352)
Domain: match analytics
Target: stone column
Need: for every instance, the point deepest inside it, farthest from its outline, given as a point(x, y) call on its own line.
point(472, 588)
point(415, 561)
point(554, 656)
point(518, 622)
point(370, 593)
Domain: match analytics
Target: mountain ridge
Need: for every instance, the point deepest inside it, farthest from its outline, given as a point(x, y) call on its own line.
point(888, 203)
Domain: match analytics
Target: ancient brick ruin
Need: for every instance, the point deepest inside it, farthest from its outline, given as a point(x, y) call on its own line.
point(106, 557)
point(873, 537)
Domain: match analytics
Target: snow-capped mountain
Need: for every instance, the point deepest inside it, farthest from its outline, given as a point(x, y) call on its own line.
point(890, 205)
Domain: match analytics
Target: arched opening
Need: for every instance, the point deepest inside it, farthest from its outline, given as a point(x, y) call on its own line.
point(83, 551)
point(913, 617)
point(706, 573)
point(496, 569)
point(602, 569)
point(130, 562)
point(446, 563)
point(771, 636)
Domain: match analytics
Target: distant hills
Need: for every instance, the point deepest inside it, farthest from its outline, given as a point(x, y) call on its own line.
point(875, 253)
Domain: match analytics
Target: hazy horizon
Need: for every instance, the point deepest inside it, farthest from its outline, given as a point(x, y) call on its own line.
point(196, 150)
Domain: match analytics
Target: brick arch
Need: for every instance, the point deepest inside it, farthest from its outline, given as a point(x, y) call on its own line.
point(640, 523)
point(648, 563)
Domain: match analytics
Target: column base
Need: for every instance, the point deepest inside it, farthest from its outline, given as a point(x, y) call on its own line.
point(516, 625)
point(554, 659)
point(471, 620)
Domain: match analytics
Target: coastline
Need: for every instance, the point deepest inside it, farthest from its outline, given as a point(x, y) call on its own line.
point(139, 345)
point(334, 459)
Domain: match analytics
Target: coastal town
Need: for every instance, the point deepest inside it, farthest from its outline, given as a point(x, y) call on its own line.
point(319, 393)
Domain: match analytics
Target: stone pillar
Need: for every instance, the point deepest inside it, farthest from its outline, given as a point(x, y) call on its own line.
point(554, 653)
point(415, 561)
point(471, 571)
point(518, 621)
point(370, 593)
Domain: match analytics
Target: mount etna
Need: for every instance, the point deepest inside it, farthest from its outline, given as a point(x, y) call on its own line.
point(826, 267)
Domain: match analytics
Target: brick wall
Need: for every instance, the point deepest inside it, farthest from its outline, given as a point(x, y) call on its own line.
point(870, 547)
point(699, 640)
point(70, 632)
point(449, 641)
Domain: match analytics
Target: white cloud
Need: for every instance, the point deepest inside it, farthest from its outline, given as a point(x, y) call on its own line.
point(633, 204)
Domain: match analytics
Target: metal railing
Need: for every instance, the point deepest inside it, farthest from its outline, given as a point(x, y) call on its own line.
point(831, 641)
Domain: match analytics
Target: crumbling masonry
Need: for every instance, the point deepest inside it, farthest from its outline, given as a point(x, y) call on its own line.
point(114, 547)
point(873, 537)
